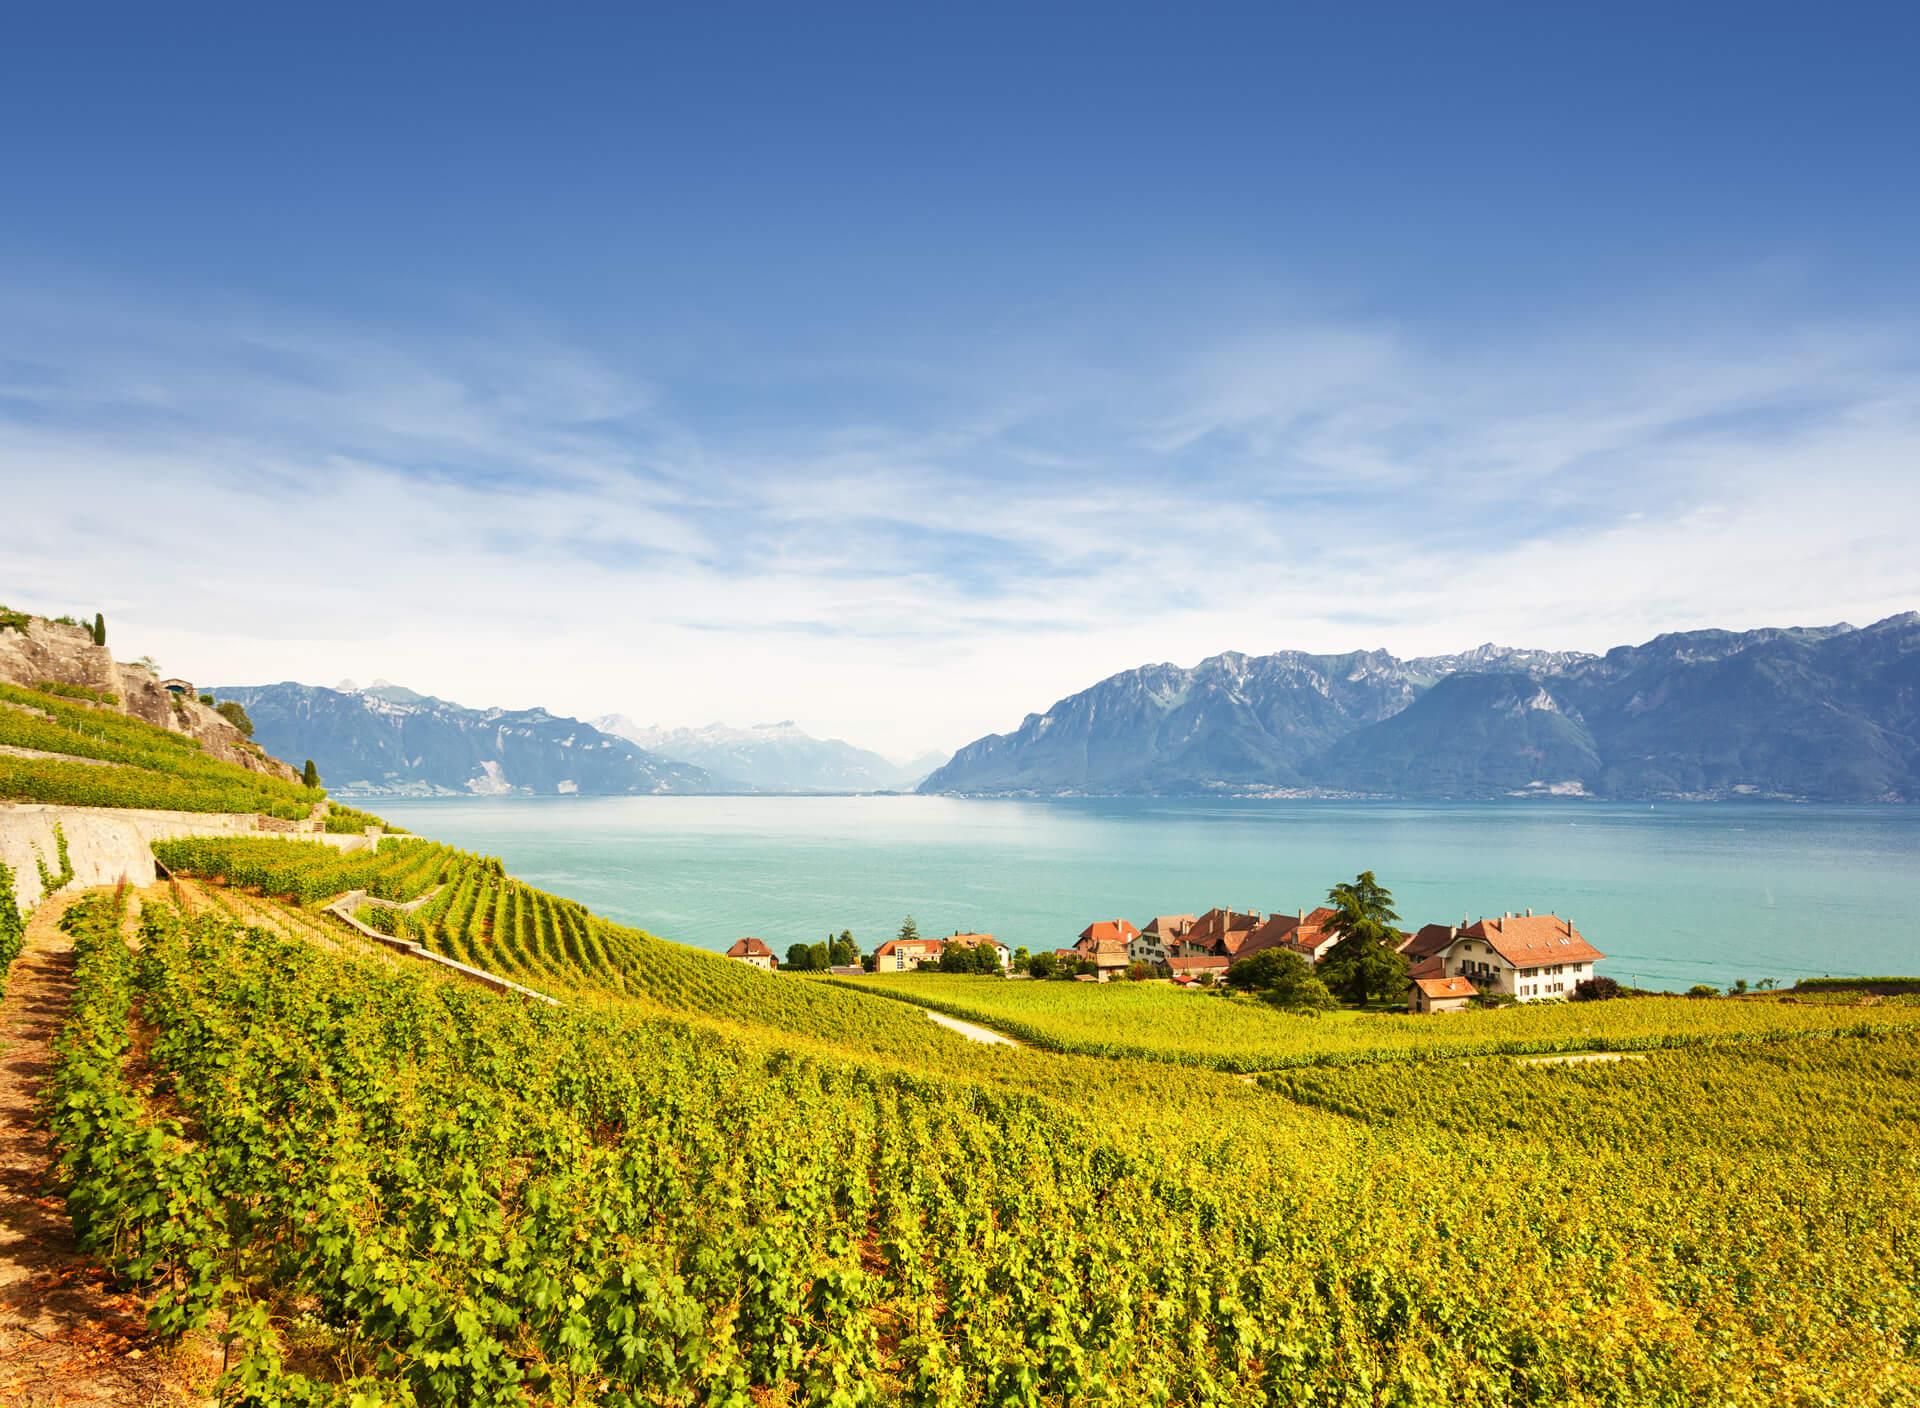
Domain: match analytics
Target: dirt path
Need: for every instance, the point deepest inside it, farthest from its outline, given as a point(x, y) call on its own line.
point(971, 1032)
point(66, 1337)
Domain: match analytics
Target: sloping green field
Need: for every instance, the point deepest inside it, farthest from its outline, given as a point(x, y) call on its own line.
point(1231, 1032)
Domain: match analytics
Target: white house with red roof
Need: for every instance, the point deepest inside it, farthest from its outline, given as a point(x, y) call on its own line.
point(905, 955)
point(754, 954)
point(1535, 957)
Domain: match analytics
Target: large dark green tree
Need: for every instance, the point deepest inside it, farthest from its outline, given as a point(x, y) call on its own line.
point(1285, 979)
point(99, 629)
point(800, 958)
point(310, 775)
point(844, 951)
point(1364, 964)
point(909, 931)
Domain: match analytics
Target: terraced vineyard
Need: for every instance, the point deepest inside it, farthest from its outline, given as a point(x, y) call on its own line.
point(130, 763)
point(487, 920)
point(603, 1204)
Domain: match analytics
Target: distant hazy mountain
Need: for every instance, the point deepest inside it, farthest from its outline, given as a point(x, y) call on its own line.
point(1831, 713)
point(776, 757)
point(390, 739)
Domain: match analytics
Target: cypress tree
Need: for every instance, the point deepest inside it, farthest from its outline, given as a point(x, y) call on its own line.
point(310, 775)
point(99, 629)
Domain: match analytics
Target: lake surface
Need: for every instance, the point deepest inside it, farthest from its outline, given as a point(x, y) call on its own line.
point(1674, 894)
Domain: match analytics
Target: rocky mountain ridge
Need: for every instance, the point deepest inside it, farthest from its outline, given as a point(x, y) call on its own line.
point(387, 739)
point(1824, 713)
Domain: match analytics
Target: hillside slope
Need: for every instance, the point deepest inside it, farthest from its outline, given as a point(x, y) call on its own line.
point(37, 651)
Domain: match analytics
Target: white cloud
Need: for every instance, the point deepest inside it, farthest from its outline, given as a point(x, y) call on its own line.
point(502, 518)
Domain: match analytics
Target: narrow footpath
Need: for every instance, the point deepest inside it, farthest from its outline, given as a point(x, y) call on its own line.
point(66, 1336)
point(985, 1036)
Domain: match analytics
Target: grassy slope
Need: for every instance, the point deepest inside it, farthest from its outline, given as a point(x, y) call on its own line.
point(1229, 1032)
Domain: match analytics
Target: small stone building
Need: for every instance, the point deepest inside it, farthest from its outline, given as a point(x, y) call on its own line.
point(1440, 995)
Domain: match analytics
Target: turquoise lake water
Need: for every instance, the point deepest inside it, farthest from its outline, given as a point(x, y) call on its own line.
point(1673, 895)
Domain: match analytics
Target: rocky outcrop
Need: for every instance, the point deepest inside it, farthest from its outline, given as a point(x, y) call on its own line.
point(47, 650)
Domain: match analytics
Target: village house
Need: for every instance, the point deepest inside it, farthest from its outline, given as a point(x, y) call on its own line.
point(1428, 941)
point(1304, 933)
point(1001, 951)
point(1534, 957)
point(1108, 945)
point(1160, 940)
point(1110, 957)
point(1441, 994)
point(1111, 930)
point(905, 955)
point(754, 954)
point(1221, 932)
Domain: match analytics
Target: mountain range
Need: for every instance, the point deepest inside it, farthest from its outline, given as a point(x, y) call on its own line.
point(775, 757)
point(388, 739)
point(1826, 713)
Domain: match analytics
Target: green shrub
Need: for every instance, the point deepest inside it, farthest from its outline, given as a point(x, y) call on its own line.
point(235, 713)
point(76, 691)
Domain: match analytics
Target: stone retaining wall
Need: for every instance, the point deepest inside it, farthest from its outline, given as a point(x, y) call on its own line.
point(345, 908)
point(106, 844)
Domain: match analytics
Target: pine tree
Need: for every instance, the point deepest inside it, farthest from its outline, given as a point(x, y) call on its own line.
point(909, 931)
point(310, 775)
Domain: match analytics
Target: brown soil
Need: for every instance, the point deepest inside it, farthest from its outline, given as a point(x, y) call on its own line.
point(66, 1335)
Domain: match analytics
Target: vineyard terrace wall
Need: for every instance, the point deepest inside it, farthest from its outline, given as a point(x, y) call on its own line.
point(105, 844)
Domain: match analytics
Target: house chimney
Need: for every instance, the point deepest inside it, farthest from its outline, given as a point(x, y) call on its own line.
point(1303, 916)
point(1529, 913)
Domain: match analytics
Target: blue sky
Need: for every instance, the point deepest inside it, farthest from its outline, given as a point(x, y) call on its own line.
point(899, 371)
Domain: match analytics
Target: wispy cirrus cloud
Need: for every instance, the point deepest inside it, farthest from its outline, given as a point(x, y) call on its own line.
point(499, 516)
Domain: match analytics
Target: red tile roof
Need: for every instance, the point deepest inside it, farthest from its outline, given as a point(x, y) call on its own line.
point(1533, 940)
point(1428, 939)
point(927, 947)
point(1169, 926)
point(749, 948)
point(973, 940)
point(1441, 988)
point(1222, 930)
point(1434, 967)
point(1206, 963)
point(1110, 929)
